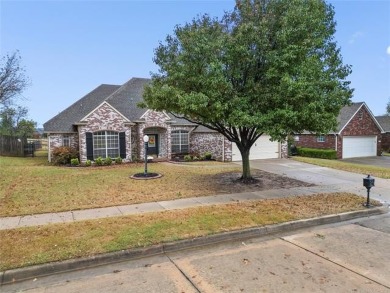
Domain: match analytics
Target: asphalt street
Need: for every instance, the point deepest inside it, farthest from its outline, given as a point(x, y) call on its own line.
point(351, 256)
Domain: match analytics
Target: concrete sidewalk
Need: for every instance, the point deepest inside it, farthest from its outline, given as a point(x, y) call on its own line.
point(124, 210)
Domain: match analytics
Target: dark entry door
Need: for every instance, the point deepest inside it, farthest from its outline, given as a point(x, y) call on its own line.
point(153, 144)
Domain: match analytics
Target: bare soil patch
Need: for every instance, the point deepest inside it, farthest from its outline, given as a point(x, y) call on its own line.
point(230, 183)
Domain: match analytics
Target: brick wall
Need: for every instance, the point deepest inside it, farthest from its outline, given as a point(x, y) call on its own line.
point(201, 143)
point(386, 142)
point(310, 141)
point(155, 123)
point(362, 125)
point(56, 140)
point(105, 118)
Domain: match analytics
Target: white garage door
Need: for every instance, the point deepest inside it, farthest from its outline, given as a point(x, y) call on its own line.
point(359, 146)
point(263, 148)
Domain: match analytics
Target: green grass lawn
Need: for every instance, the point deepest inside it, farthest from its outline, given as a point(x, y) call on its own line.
point(380, 172)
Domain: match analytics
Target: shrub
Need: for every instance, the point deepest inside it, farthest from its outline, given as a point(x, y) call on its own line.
point(107, 161)
point(118, 160)
point(63, 155)
point(99, 161)
point(88, 163)
point(317, 153)
point(187, 158)
point(195, 158)
point(207, 155)
point(74, 162)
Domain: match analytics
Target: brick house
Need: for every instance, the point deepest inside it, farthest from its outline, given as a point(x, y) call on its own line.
point(358, 134)
point(107, 122)
point(384, 121)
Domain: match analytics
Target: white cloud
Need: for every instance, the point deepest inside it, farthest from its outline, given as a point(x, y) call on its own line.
point(357, 35)
point(388, 50)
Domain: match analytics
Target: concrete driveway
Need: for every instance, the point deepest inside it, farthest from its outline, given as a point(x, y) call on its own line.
point(327, 179)
point(380, 161)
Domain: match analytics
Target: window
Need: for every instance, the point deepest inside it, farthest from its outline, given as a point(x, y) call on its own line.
point(66, 141)
point(296, 138)
point(179, 141)
point(321, 138)
point(105, 144)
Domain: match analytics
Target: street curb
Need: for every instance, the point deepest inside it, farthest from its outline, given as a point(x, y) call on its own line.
point(21, 274)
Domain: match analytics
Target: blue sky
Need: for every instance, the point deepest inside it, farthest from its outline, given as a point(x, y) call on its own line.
point(70, 47)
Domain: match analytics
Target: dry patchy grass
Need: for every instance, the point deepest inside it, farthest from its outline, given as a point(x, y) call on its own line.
point(37, 245)
point(31, 186)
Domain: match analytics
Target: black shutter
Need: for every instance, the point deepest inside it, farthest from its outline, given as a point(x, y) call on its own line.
point(122, 145)
point(89, 140)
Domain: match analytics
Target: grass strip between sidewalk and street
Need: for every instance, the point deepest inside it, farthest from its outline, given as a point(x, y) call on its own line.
point(37, 245)
point(381, 172)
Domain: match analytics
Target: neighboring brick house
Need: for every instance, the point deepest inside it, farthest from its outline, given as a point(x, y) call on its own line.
point(384, 121)
point(358, 134)
point(107, 122)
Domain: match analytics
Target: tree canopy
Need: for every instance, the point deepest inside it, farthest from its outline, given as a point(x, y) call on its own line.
point(14, 122)
point(12, 79)
point(268, 66)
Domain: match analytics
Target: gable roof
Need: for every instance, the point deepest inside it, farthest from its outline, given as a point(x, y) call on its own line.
point(348, 112)
point(126, 98)
point(123, 98)
point(64, 121)
point(384, 121)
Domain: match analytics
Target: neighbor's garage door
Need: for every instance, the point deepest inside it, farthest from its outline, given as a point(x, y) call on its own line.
point(263, 148)
point(359, 146)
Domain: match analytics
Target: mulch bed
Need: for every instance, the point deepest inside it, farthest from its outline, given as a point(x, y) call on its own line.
point(262, 181)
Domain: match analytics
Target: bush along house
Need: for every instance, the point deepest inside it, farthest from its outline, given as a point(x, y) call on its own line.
point(108, 123)
point(358, 134)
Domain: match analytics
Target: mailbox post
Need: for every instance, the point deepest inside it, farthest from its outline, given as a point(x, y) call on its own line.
point(146, 141)
point(368, 182)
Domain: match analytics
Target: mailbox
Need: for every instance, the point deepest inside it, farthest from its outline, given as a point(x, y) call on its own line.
point(368, 182)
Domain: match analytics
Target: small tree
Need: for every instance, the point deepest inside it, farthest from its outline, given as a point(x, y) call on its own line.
point(12, 79)
point(269, 66)
point(13, 122)
point(388, 108)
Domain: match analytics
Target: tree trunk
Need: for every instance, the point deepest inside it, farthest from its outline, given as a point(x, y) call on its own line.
point(246, 170)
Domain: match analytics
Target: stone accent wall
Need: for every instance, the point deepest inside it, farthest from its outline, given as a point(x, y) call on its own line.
point(56, 141)
point(105, 118)
point(284, 150)
point(155, 123)
point(207, 142)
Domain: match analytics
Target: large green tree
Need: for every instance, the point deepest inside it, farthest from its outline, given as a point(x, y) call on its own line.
point(269, 66)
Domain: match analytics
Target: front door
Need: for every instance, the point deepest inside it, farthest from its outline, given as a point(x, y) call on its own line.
point(153, 145)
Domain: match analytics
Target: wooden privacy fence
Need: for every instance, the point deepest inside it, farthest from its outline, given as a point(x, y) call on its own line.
point(12, 146)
